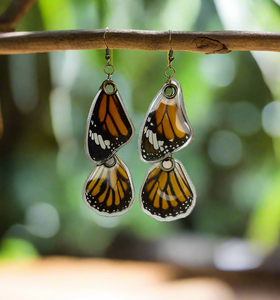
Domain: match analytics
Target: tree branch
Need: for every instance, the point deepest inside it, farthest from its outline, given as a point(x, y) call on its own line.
point(13, 14)
point(200, 42)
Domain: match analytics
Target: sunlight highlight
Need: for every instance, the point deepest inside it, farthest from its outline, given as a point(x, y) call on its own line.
point(271, 119)
point(245, 118)
point(42, 220)
point(225, 148)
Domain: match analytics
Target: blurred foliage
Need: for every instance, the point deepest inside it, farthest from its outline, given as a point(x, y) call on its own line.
point(45, 98)
point(12, 249)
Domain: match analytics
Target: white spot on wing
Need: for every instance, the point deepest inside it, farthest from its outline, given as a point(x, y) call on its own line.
point(96, 139)
point(101, 142)
point(147, 133)
point(150, 137)
point(155, 141)
point(91, 135)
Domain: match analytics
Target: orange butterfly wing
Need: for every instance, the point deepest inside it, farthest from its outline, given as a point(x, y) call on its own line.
point(109, 127)
point(167, 195)
point(109, 190)
point(166, 128)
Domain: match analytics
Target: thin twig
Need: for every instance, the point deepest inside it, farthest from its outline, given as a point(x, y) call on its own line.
point(14, 13)
point(200, 42)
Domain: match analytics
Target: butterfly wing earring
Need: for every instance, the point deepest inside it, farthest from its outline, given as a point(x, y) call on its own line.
point(108, 189)
point(167, 192)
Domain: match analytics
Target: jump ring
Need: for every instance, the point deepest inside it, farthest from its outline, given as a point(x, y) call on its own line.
point(171, 68)
point(109, 73)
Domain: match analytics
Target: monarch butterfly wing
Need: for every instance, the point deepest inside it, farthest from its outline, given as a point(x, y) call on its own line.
point(109, 190)
point(108, 125)
point(166, 128)
point(167, 195)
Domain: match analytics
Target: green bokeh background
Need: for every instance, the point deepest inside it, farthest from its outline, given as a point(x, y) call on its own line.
point(45, 98)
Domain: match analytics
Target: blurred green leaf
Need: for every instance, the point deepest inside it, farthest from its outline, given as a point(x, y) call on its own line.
point(57, 15)
point(264, 223)
point(19, 249)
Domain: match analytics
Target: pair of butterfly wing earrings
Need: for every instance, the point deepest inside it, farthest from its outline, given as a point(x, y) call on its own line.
point(167, 192)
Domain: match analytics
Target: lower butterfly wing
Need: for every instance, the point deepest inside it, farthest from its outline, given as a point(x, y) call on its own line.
point(167, 195)
point(109, 190)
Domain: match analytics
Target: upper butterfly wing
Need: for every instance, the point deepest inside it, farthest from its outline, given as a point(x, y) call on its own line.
point(166, 128)
point(167, 195)
point(109, 191)
point(108, 128)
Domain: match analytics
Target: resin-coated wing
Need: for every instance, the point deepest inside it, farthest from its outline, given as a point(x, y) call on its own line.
point(167, 194)
point(165, 128)
point(108, 125)
point(109, 189)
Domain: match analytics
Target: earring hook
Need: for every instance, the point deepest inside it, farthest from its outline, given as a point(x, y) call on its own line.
point(170, 52)
point(170, 39)
point(104, 36)
point(108, 57)
point(170, 59)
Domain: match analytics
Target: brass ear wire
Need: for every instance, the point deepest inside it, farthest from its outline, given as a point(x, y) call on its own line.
point(170, 52)
point(108, 56)
point(170, 59)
